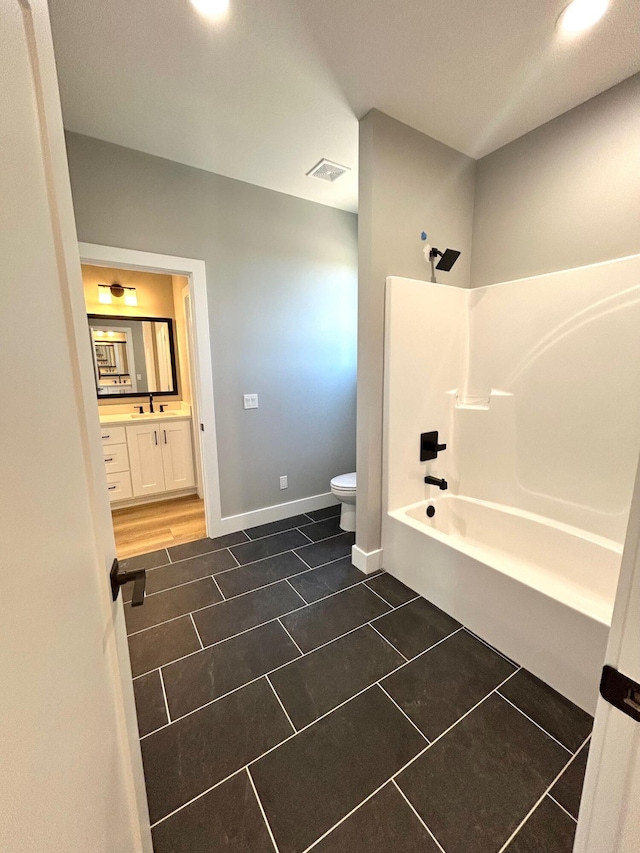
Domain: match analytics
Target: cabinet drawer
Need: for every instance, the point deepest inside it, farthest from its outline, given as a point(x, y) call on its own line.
point(113, 435)
point(116, 458)
point(119, 486)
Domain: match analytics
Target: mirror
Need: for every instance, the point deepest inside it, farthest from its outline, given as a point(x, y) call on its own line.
point(133, 356)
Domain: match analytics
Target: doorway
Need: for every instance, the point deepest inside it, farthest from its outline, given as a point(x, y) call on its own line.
point(149, 334)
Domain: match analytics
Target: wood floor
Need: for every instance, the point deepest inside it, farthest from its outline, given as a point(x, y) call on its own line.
point(140, 529)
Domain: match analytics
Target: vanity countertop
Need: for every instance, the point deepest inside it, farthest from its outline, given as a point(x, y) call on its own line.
point(134, 417)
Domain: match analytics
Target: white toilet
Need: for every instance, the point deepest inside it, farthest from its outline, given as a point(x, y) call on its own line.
point(344, 488)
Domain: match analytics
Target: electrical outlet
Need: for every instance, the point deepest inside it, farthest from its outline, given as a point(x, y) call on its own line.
point(251, 401)
point(284, 482)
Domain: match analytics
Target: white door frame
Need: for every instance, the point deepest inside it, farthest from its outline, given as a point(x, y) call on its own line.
point(202, 369)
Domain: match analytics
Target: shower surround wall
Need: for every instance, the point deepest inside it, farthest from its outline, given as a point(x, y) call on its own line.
point(534, 387)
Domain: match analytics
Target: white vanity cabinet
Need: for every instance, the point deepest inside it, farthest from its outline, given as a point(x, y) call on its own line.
point(145, 455)
point(177, 455)
point(148, 458)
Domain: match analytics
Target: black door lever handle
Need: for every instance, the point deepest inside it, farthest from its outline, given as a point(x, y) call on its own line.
point(119, 578)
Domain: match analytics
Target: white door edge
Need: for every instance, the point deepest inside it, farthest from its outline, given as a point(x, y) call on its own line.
point(609, 819)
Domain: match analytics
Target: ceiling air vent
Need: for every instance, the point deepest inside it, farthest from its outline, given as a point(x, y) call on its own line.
point(325, 170)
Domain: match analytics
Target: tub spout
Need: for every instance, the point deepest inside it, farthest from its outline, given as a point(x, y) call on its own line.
point(434, 481)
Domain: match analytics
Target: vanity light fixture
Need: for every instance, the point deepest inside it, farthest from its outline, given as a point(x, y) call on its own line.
point(579, 15)
point(211, 8)
point(106, 293)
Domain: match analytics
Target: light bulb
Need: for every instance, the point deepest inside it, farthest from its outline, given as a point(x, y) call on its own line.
point(104, 294)
point(581, 14)
point(211, 8)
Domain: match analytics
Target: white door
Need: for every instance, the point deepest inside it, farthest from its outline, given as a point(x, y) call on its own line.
point(177, 455)
point(145, 459)
point(609, 820)
point(70, 768)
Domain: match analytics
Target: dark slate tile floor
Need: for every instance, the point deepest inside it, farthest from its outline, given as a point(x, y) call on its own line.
point(286, 702)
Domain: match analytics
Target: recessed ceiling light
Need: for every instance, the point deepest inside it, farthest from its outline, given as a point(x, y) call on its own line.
point(211, 8)
point(581, 14)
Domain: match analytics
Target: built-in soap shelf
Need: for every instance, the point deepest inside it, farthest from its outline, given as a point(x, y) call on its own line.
point(477, 402)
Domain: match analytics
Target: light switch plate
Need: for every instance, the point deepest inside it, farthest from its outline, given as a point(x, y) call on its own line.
point(284, 482)
point(251, 401)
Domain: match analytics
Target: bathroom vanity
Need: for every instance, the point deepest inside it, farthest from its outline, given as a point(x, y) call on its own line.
point(148, 456)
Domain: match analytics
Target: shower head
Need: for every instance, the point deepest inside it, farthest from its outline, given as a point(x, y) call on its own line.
point(447, 258)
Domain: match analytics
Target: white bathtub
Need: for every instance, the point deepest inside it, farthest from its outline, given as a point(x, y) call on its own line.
point(540, 591)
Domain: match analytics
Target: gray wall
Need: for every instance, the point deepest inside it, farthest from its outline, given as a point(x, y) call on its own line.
point(281, 275)
point(408, 183)
point(564, 195)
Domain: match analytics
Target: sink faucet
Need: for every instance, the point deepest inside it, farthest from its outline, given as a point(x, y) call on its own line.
point(434, 481)
point(151, 409)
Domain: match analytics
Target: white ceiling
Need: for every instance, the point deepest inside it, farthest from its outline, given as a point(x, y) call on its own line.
point(282, 83)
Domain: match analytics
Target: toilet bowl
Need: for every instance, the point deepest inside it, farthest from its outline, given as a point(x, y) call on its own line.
point(343, 487)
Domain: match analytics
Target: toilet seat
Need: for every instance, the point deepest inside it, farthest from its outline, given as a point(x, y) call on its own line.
point(344, 483)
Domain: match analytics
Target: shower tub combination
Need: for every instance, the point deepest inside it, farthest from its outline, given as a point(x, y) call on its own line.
point(540, 591)
point(541, 421)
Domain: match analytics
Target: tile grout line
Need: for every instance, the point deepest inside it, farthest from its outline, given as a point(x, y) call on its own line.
point(537, 803)
point(320, 565)
point(195, 556)
point(245, 565)
point(286, 713)
point(306, 654)
point(227, 548)
point(195, 628)
point(290, 737)
point(206, 607)
point(164, 694)
point(378, 594)
point(217, 586)
point(249, 591)
point(413, 809)
point(291, 586)
point(403, 712)
point(262, 811)
point(453, 725)
point(233, 569)
point(493, 648)
point(296, 548)
point(284, 628)
point(300, 530)
point(560, 806)
point(303, 654)
point(198, 796)
point(404, 657)
point(348, 815)
point(531, 720)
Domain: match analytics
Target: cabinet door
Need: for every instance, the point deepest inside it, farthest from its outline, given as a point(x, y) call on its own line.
point(177, 455)
point(145, 459)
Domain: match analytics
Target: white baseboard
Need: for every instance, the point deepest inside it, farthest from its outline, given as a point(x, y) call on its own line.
point(233, 523)
point(366, 562)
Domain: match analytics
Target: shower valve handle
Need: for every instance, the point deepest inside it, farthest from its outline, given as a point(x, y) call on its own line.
point(429, 447)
